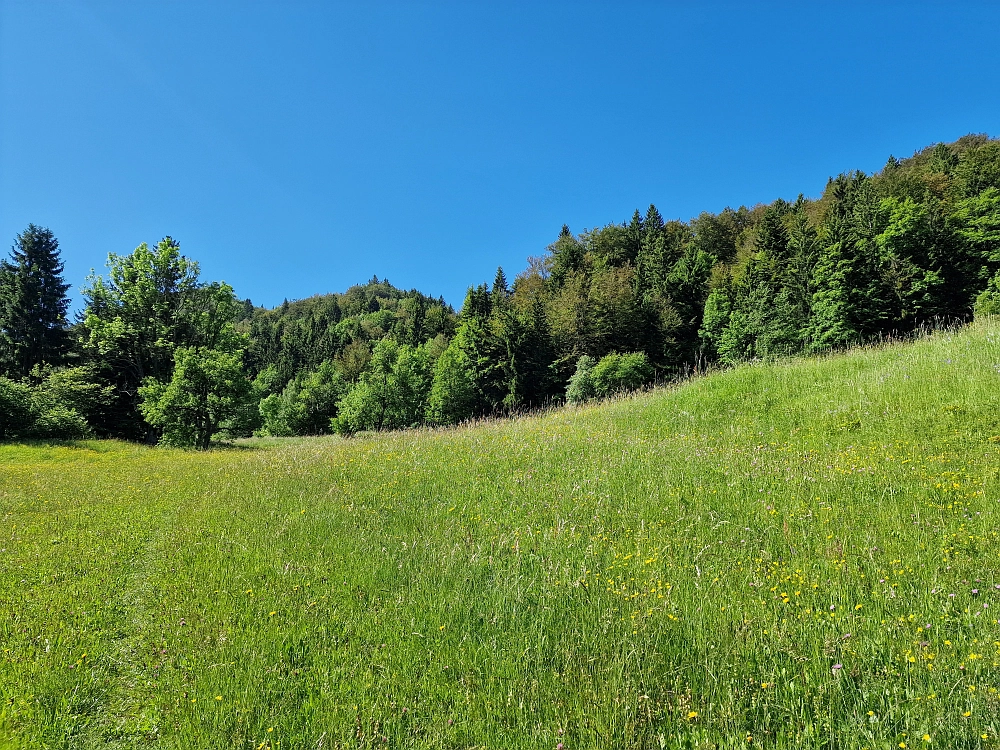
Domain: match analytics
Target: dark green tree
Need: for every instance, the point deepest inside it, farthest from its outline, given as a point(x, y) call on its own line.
point(33, 304)
point(567, 256)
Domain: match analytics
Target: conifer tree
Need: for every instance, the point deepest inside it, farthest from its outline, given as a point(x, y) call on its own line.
point(33, 303)
point(635, 231)
point(567, 256)
point(500, 290)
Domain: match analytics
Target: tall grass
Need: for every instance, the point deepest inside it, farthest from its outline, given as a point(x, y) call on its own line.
point(801, 554)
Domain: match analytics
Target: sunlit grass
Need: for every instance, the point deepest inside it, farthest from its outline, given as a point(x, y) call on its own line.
point(794, 555)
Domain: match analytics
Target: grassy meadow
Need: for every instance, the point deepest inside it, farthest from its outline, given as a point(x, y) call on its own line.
point(801, 554)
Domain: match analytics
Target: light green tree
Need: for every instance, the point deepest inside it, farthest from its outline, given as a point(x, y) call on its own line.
point(391, 394)
point(207, 387)
point(453, 396)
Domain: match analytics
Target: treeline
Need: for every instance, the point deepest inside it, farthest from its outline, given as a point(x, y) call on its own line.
point(159, 355)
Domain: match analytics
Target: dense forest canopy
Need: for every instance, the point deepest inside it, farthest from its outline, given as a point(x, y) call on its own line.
point(158, 354)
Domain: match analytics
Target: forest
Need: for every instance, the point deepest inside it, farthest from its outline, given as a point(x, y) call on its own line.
point(159, 355)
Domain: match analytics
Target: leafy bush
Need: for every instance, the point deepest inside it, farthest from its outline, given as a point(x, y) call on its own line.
point(275, 412)
point(988, 303)
point(615, 373)
point(58, 422)
point(77, 388)
point(621, 372)
point(16, 413)
point(306, 405)
point(50, 410)
point(453, 396)
point(581, 385)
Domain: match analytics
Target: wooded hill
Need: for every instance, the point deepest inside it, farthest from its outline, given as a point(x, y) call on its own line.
point(158, 354)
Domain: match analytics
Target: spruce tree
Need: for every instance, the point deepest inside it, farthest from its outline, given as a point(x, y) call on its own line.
point(33, 303)
point(500, 290)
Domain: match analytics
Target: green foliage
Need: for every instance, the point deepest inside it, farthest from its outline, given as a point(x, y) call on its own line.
point(978, 169)
point(977, 221)
point(16, 412)
point(614, 373)
point(988, 302)
point(581, 385)
point(151, 305)
point(33, 304)
point(617, 373)
point(717, 315)
point(277, 415)
point(453, 396)
point(207, 387)
point(298, 336)
point(140, 314)
point(929, 271)
point(57, 421)
point(61, 403)
point(306, 405)
point(391, 394)
point(79, 389)
point(567, 255)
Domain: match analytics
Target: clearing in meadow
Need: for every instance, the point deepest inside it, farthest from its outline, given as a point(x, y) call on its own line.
point(801, 554)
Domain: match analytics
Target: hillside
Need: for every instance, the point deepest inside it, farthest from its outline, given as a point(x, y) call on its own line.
point(794, 554)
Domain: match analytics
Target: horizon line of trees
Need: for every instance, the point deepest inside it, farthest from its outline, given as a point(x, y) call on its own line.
point(161, 356)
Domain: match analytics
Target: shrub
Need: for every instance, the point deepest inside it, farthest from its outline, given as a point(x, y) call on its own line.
point(16, 413)
point(275, 410)
point(615, 373)
point(581, 385)
point(621, 372)
point(46, 411)
point(59, 422)
point(79, 389)
point(988, 303)
point(307, 404)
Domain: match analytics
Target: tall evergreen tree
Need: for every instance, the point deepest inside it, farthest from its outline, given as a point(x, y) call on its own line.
point(567, 256)
point(33, 303)
point(500, 290)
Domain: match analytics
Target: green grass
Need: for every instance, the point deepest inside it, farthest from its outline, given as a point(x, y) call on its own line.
point(685, 568)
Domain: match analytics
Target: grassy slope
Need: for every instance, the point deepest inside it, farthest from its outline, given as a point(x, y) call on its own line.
point(684, 568)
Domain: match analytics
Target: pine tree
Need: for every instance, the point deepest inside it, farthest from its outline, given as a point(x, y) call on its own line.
point(33, 303)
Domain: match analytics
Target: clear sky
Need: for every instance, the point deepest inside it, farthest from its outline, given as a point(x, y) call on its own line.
point(296, 148)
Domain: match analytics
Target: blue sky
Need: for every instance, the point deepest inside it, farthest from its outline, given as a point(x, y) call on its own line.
point(296, 148)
